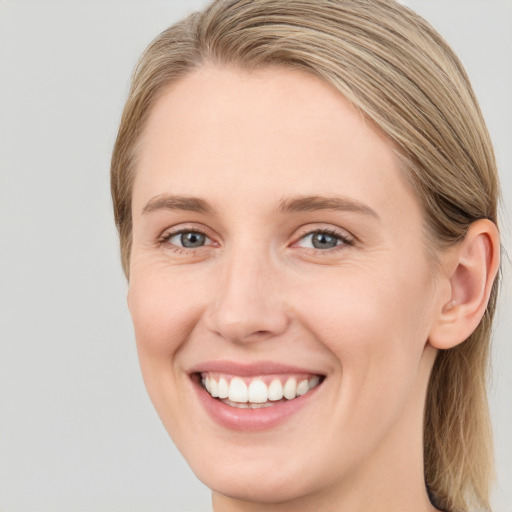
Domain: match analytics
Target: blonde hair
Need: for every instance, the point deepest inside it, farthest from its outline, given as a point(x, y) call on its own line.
point(398, 71)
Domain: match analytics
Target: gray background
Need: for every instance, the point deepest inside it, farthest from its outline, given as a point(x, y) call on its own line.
point(77, 432)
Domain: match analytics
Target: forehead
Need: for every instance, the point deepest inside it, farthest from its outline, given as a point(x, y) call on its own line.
point(259, 132)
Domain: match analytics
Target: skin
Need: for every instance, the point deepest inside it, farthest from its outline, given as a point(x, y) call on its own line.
point(258, 290)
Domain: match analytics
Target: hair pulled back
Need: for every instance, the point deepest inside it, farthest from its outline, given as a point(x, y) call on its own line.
point(397, 70)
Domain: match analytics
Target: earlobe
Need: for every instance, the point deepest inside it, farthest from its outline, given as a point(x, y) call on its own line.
point(473, 270)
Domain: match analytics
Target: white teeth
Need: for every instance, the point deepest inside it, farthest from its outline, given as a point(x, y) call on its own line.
point(223, 388)
point(290, 388)
point(238, 390)
point(275, 390)
point(214, 388)
point(258, 393)
point(313, 383)
point(302, 387)
point(247, 405)
point(259, 406)
point(237, 394)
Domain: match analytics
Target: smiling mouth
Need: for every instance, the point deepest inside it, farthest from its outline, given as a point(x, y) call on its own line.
point(259, 391)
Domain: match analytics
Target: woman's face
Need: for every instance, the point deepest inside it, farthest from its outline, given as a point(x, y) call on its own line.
point(277, 249)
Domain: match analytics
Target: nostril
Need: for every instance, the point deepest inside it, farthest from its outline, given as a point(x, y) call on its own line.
point(248, 330)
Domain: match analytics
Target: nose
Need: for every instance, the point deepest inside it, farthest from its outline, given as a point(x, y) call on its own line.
point(248, 304)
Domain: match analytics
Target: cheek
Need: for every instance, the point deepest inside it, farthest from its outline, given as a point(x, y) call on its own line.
point(367, 310)
point(163, 316)
point(163, 313)
point(371, 323)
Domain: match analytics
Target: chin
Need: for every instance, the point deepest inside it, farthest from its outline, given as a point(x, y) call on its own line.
point(272, 484)
point(268, 471)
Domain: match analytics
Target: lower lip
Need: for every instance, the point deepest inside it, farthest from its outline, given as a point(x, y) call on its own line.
point(264, 418)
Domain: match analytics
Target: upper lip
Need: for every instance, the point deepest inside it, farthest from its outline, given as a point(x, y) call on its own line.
point(246, 369)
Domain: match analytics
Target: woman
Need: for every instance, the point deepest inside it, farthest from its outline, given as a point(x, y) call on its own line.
point(306, 195)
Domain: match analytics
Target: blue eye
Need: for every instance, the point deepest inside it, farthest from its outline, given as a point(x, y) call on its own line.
point(188, 239)
point(323, 240)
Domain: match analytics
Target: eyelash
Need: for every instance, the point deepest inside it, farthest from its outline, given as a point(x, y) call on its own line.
point(345, 240)
point(164, 239)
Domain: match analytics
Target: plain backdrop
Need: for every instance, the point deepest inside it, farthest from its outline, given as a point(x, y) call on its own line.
point(77, 431)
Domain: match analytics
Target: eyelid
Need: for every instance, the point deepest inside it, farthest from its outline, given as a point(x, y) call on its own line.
point(168, 233)
point(345, 237)
point(342, 234)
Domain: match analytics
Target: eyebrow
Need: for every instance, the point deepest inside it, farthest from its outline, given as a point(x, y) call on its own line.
point(312, 203)
point(292, 205)
point(175, 203)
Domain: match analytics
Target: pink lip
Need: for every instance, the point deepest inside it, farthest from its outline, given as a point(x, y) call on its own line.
point(249, 420)
point(249, 369)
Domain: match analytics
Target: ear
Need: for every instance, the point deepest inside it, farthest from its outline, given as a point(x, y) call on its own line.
point(473, 266)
